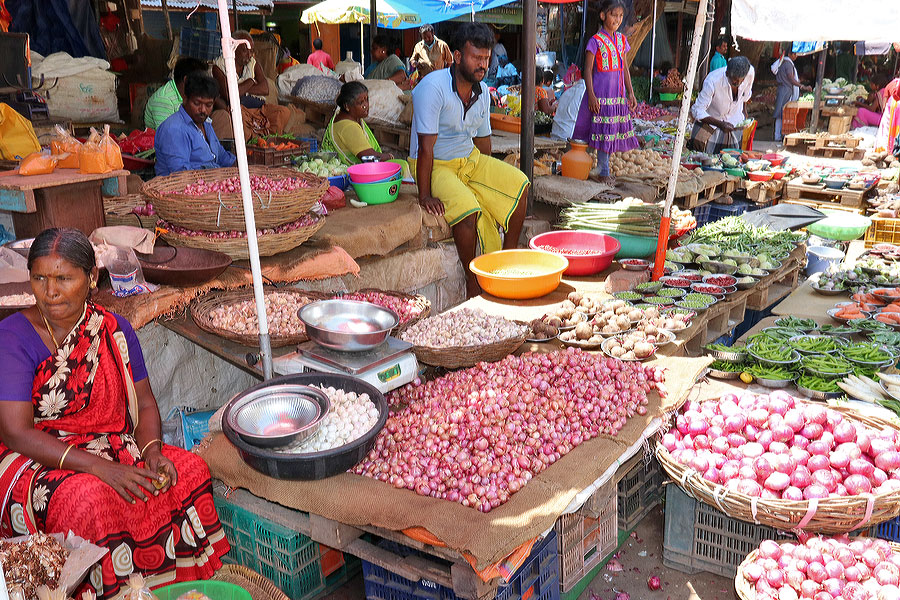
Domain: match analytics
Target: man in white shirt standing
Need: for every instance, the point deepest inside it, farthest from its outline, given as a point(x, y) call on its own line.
point(720, 107)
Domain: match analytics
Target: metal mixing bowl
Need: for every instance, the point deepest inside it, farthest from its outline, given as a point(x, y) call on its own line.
point(347, 325)
point(278, 415)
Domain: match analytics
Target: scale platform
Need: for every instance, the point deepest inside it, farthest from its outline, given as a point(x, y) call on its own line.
point(386, 367)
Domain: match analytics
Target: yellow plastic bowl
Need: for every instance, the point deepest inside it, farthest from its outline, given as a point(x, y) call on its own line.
point(542, 273)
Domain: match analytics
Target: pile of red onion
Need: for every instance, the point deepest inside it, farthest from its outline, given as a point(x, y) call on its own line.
point(478, 435)
point(823, 568)
point(233, 185)
point(648, 112)
point(772, 446)
point(304, 221)
point(406, 308)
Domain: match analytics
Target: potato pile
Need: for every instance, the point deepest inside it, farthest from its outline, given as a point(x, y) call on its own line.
point(586, 302)
point(645, 164)
point(615, 317)
point(585, 334)
point(542, 331)
point(880, 160)
point(673, 80)
point(566, 315)
point(674, 321)
point(635, 345)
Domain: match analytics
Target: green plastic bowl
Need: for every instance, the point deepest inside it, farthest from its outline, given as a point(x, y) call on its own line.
point(840, 225)
point(668, 97)
point(633, 246)
point(217, 590)
point(737, 172)
point(382, 192)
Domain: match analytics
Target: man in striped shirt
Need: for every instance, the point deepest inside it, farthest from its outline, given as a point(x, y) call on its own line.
point(167, 99)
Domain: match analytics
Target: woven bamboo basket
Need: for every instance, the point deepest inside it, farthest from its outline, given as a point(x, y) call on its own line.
point(832, 515)
point(745, 590)
point(260, 587)
point(418, 300)
point(225, 212)
point(461, 357)
point(269, 244)
point(202, 308)
point(118, 211)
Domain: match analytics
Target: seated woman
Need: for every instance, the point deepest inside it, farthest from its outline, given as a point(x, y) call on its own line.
point(869, 111)
point(80, 445)
point(544, 100)
point(347, 134)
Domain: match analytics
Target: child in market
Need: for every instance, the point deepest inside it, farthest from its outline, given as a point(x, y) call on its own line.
point(604, 119)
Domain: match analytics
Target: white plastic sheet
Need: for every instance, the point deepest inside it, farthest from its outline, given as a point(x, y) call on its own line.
point(815, 20)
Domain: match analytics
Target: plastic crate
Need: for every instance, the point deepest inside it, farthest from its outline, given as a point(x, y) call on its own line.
point(205, 44)
point(288, 558)
point(270, 157)
point(889, 530)
point(711, 212)
point(536, 579)
point(699, 537)
point(883, 231)
point(638, 491)
point(587, 536)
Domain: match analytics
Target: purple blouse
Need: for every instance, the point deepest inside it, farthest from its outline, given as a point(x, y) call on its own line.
point(22, 350)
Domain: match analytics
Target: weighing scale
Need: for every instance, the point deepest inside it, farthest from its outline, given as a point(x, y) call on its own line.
point(386, 367)
point(835, 100)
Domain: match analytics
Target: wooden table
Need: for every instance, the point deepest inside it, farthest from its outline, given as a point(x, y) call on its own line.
point(63, 198)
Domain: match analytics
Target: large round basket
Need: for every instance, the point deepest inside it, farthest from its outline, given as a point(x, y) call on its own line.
point(118, 210)
point(259, 587)
point(201, 312)
point(225, 211)
point(468, 356)
point(830, 515)
point(745, 590)
point(418, 300)
point(237, 248)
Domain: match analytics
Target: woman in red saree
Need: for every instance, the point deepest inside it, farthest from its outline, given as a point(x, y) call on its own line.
point(80, 443)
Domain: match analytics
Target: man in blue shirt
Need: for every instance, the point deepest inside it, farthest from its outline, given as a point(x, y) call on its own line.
point(186, 141)
point(450, 153)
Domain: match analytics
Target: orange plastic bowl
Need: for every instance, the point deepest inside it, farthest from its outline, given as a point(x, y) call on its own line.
point(760, 175)
point(601, 247)
point(541, 273)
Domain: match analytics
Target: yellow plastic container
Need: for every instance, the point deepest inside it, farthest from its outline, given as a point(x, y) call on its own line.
point(541, 273)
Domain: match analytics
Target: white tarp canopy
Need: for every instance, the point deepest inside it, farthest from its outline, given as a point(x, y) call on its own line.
point(816, 20)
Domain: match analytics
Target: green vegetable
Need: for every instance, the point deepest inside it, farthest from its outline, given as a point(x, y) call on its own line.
point(839, 330)
point(721, 365)
point(826, 364)
point(795, 323)
point(723, 348)
point(819, 384)
point(670, 292)
point(771, 349)
point(813, 344)
point(635, 219)
point(776, 373)
point(658, 300)
point(870, 325)
point(888, 338)
point(867, 352)
point(701, 298)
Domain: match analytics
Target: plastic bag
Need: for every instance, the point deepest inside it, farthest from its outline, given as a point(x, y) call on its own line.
point(91, 157)
point(17, 137)
point(137, 589)
point(111, 150)
point(64, 143)
point(38, 163)
point(125, 272)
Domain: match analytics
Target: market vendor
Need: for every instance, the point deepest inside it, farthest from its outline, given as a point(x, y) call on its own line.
point(720, 107)
point(450, 154)
point(80, 439)
point(186, 140)
point(789, 87)
point(431, 53)
point(165, 101)
point(386, 64)
point(889, 127)
point(347, 134)
point(544, 101)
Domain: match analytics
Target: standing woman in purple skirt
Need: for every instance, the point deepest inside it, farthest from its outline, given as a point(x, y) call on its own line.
point(604, 120)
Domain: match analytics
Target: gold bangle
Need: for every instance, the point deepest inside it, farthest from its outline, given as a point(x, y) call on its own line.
point(147, 445)
point(64, 454)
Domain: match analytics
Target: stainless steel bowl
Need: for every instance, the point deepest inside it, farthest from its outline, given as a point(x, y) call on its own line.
point(278, 415)
point(347, 325)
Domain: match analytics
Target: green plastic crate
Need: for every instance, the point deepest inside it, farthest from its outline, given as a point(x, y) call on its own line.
point(217, 590)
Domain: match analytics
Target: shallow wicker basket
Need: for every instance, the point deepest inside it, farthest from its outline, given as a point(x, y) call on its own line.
point(260, 587)
point(225, 212)
point(418, 300)
point(468, 356)
point(118, 211)
point(237, 248)
point(202, 308)
point(832, 515)
point(745, 590)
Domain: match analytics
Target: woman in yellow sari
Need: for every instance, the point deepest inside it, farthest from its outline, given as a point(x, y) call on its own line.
point(347, 134)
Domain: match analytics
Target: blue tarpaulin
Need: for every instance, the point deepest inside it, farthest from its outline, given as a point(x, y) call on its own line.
point(58, 26)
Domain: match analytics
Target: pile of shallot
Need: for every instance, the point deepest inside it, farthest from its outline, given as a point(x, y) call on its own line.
point(406, 308)
point(304, 221)
point(281, 313)
point(476, 436)
point(772, 446)
point(464, 327)
point(233, 185)
point(824, 568)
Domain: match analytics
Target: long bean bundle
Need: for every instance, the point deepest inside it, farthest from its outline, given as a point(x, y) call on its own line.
point(635, 219)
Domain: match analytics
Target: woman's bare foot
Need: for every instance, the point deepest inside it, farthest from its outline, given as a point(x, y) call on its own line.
point(607, 179)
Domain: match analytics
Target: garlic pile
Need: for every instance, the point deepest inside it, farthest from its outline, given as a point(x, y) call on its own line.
point(464, 327)
point(350, 417)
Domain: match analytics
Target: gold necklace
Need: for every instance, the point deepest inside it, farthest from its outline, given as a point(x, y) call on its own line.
point(49, 330)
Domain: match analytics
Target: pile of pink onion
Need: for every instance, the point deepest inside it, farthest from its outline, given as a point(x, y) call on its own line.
point(406, 308)
point(304, 221)
point(823, 568)
point(773, 446)
point(233, 184)
point(477, 436)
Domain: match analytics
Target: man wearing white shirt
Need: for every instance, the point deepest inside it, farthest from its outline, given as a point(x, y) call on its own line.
point(720, 106)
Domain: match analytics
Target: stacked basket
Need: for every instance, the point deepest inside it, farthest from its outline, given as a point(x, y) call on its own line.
point(215, 221)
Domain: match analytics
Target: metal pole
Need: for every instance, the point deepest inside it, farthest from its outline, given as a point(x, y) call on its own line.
point(663, 240)
point(167, 20)
point(228, 46)
point(817, 100)
point(373, 20)
point(526, 137)
point(706, 43)
point(652, 54)
point(234, 11)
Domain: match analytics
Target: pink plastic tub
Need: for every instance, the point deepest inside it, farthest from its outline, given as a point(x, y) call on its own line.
point(593, 251)
point(372, 172)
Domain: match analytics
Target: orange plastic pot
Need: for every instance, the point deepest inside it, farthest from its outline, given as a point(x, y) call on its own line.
point(577, 163)
point(542, 273)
